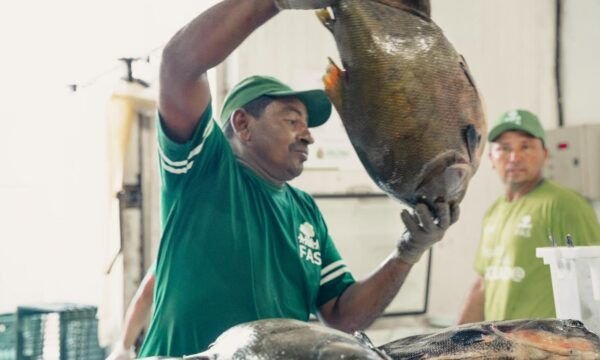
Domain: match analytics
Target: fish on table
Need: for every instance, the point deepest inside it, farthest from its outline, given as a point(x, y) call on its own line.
point(512, 339)
point(405, 96)
point(286, 339)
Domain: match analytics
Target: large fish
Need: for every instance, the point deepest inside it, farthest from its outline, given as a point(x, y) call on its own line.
point(516, 339)
point(405, 96)
point(286, 339)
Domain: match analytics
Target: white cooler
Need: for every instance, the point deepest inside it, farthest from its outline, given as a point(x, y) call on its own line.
point(575, 275)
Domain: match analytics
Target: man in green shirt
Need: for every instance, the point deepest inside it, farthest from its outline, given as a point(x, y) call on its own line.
point(239, 243)
point(512, 282)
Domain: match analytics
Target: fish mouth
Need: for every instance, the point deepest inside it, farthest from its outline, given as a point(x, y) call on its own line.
point(444, 178)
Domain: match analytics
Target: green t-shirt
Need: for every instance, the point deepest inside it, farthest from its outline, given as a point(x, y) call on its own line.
point(517, 283)
point(234, 248)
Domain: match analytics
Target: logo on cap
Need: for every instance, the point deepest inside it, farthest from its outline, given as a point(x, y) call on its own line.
point(513, 117)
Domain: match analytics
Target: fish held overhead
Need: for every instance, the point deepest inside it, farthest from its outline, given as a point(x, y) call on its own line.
point(405, 96)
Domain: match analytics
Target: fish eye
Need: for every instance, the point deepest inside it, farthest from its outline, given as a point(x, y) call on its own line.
point(472, 138)
point(574, 323)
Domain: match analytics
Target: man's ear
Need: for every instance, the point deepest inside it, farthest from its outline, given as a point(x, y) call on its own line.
point(240, 122)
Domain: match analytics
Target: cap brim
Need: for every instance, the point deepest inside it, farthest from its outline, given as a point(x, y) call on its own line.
point(318, 106)
point(502, 128)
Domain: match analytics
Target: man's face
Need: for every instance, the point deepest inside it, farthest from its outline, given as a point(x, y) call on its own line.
point(518, 158)
point(280, 138)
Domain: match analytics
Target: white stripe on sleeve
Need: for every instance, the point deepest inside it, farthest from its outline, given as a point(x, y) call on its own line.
point(183, 166)
point(331, 267)
point(333, 275)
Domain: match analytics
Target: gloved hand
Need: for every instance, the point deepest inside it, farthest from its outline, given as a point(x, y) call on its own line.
point(424, 228)
point(120, 353)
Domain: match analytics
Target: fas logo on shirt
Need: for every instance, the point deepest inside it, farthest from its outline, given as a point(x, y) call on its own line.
point(309, 246)
point(524, 226)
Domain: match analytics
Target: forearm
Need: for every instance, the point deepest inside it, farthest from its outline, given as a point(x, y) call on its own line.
point(363, 302)
point(139, 311)
point(213, 35)
point(473, 310)
point(136, 318)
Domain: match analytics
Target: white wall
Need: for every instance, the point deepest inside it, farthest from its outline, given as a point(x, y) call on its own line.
point(581, 59)
point(52, 189)
point(53, 166)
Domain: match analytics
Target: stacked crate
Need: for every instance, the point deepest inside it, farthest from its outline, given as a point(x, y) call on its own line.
point(50, 332)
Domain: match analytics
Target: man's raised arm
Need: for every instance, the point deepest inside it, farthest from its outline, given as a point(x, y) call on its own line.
point(200, 45)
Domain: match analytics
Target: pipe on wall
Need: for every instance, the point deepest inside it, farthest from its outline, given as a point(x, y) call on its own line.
point(558, 63)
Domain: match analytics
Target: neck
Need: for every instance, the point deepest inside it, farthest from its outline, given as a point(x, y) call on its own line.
point(260, 171)
point(517, 191)
point(252, 161)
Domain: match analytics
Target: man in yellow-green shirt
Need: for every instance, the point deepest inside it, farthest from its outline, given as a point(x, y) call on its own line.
point(512, 282)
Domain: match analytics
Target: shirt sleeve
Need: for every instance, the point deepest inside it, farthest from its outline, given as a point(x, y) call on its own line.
point(335, 275)
point(179, 161)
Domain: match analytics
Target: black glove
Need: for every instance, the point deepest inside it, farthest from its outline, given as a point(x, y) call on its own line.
point(424, 228)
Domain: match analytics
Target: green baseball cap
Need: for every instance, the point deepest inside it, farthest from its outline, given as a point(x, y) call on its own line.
point(517, 120)
point(316, 101)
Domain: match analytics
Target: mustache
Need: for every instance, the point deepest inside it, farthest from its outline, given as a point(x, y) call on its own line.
point(300, 146)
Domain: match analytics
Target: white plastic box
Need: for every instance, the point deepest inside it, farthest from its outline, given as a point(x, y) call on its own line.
point(575, 273)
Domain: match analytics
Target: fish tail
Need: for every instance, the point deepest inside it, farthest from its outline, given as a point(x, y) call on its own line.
point(333, 84)
point(304, 4)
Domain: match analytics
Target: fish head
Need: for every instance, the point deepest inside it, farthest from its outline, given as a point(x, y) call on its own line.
point(446, 163)
point(431, 160)
point(558, 336)
point(510, 339)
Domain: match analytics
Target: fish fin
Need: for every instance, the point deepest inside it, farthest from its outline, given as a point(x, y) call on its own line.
point(333, 78)
point(363, 338)
point(326, 19)
point(304, 4)
point(472, 139)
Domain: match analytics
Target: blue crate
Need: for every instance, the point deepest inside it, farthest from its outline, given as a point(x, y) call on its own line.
point(8, 336)
point(51, 331)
